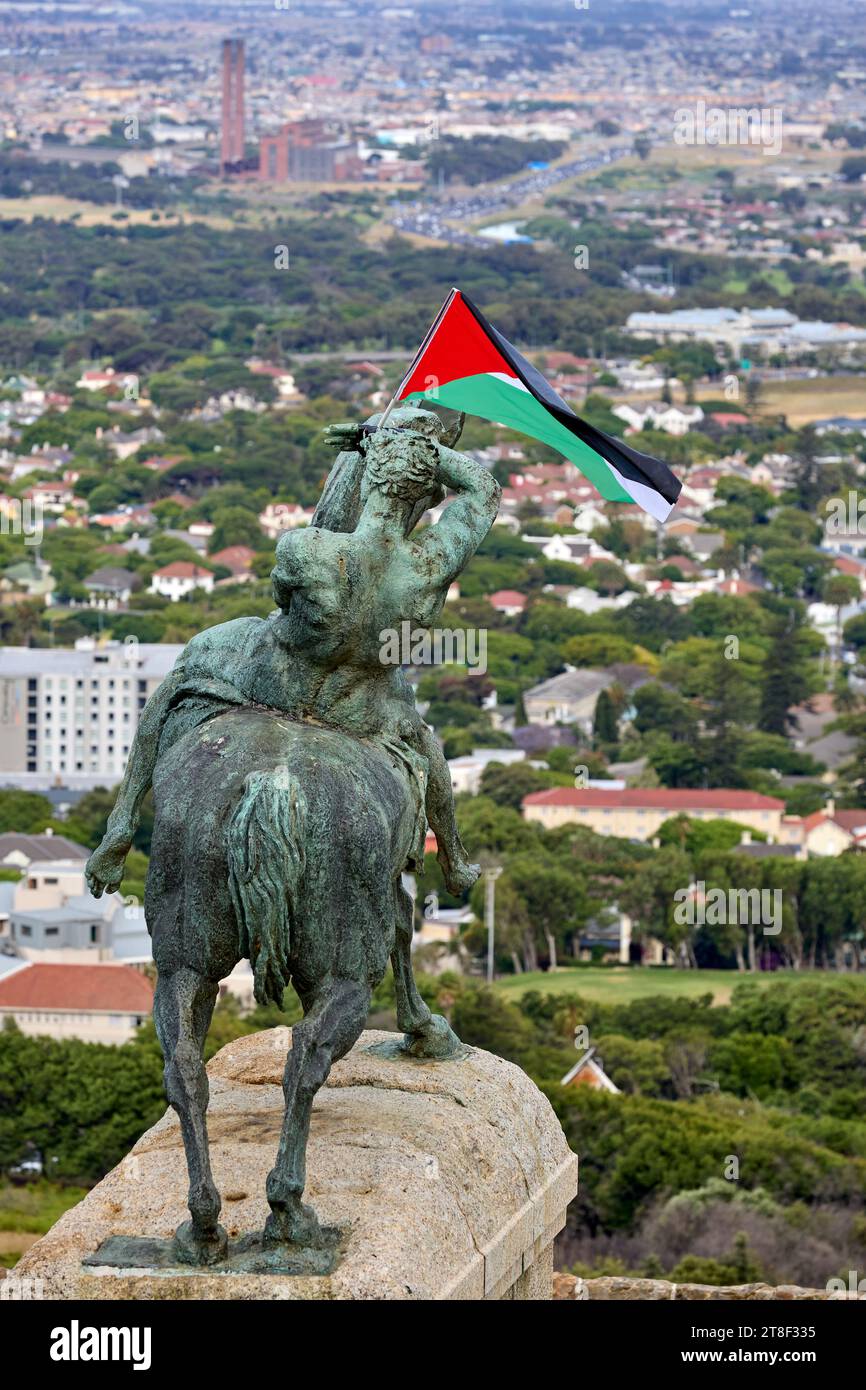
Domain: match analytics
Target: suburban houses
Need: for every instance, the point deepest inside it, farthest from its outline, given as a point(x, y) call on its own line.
point(93, 1003)
point(636, 813)
point(571, 698)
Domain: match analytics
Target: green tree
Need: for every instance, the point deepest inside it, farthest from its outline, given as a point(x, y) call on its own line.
point(604, 724)
point(556, 900)
point(786, 681)
point(597, 649)
point(839, 590)
point(25, 813)
point(235, 526)
point(508, 784)
point(482, 1018)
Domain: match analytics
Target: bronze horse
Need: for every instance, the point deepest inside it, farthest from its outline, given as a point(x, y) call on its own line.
point(283, 844)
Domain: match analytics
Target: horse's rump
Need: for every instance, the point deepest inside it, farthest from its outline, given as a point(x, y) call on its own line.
point(281, 842)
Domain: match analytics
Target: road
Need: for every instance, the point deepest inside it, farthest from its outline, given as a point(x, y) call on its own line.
point(433, 219)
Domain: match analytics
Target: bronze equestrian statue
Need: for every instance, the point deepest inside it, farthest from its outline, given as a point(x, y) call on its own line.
point(293, 779)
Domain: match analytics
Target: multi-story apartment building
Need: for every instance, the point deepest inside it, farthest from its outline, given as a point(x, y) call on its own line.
point(72, 713)
point(636, 813)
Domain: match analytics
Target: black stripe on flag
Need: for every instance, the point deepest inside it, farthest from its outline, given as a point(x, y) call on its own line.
point(629, 462)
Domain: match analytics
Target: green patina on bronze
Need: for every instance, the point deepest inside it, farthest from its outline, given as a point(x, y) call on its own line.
point(293, 779)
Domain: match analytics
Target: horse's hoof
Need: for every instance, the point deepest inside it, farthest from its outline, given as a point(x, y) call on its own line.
point(435, 1039)
point(298, 1225)
point(195, 1247)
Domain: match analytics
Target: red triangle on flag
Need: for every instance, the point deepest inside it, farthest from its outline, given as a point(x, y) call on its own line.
point(458, 347)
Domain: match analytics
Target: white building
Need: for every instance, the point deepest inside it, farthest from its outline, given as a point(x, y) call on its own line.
point(745, 331)
point(589, 517)
point(573, 549)
point(278, 517)
point(590, 601)
point(180, 578)
point(466, 771)
point(51, 917)
point(74, 711)
point(571, 697)
point(101, 378)
point(673, 419)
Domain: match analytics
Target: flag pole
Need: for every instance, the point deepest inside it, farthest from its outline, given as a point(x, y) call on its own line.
point(430, 331)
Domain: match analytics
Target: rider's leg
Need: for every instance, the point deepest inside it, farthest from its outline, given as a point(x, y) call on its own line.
point(457, 871)
point(427, 1034)
point(412, 1013)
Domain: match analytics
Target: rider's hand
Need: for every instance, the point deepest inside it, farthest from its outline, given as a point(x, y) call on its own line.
point(346, 436)
point(104, 869)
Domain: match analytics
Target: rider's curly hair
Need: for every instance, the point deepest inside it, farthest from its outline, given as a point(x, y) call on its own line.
point(401, 465)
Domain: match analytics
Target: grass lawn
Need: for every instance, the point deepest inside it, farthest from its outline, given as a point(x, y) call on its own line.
point(621, 984)
point(27, 1212)
point(801, 400)
point(58, 208)
point(819, 399)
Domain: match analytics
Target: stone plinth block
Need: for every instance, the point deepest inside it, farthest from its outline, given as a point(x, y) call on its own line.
point(625, 1289)
point(447, 1180)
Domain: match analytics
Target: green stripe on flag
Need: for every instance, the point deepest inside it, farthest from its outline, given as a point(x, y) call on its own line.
point(491, 399)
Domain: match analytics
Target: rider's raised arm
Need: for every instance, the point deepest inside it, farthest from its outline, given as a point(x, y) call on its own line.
point(452, 542)
point(339, 506)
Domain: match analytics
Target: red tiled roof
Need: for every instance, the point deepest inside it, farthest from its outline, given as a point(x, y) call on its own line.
point(182, 569)
point(657, 798)
point(736, 587)
point(554, 360)
point(235, 557)
point(507, 598)
point(846, 820)
point(846, 564)
point(527, 494)
point(542, 473)
point(112, 988)
point(370, 368)
point(266, 369)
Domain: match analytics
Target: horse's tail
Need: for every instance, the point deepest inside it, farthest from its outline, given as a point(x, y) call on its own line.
point(266, 861)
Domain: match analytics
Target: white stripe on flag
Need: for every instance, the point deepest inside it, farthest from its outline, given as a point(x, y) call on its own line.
point(644, 495)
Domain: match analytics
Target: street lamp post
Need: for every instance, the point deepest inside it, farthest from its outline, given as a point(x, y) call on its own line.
point(490, 877)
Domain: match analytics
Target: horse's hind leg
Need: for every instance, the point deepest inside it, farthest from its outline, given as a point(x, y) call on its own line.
point(183, 1006)
point(332, 1024)
point(427, 1034)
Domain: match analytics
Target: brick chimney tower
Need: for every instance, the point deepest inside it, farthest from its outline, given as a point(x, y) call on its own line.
point(232, 150)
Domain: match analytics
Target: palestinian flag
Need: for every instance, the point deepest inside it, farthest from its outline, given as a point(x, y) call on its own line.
point(465, 364)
